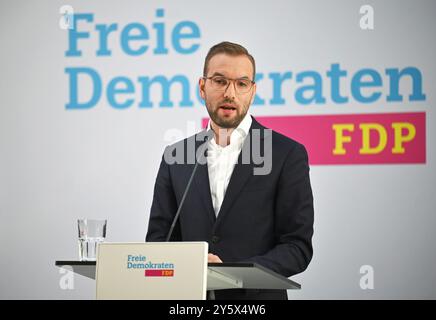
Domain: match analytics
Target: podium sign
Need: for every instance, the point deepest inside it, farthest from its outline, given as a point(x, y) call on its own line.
point(152, 270)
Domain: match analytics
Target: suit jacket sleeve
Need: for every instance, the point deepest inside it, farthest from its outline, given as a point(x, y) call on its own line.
point(163, 208)
point(294, 216)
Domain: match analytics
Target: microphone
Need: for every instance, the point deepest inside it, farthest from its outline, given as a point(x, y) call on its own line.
point(208, 134)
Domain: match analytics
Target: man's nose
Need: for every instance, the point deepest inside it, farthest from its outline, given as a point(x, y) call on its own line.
point(230, 92)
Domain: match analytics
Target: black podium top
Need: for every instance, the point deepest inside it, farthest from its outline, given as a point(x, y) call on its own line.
point(252, 275)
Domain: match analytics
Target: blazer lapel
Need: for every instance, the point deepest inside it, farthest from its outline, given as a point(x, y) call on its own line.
point(202, 183)
point(241, 174)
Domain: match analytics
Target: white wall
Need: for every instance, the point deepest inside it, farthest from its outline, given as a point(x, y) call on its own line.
point(57, 165)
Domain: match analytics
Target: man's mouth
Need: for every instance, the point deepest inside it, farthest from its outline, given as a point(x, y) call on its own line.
point(227, 110)
point(228, 107)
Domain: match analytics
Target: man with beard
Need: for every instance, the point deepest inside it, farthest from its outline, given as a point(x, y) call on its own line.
point(245, 217)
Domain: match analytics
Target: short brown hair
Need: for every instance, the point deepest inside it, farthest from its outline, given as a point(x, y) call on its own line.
point(232, 49)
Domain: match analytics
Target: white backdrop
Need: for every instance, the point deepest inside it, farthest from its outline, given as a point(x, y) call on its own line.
point(59, 164)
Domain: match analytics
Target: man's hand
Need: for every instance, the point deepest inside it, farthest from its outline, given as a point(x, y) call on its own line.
point(213, 258)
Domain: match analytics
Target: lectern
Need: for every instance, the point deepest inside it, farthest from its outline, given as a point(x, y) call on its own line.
point(169, 271)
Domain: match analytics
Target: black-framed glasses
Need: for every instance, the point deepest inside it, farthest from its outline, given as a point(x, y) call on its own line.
point(221, 83)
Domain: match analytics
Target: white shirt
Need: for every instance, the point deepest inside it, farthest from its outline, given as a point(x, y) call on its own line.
point(222, 160)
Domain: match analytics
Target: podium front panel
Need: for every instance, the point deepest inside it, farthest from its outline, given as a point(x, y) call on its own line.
point(156, 271)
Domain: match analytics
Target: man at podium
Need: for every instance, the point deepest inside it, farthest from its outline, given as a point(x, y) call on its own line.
point(247, 192)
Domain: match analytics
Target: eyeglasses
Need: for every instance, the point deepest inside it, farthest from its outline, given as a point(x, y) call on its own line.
point(220, 83)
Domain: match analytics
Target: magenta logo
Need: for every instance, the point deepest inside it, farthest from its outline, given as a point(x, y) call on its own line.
point(355, 139)
point(159, 273)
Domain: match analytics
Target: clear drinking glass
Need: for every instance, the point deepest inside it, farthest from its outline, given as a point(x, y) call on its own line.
point(91, 233)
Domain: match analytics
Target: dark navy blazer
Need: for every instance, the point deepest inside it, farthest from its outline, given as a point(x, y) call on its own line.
point(267, 219)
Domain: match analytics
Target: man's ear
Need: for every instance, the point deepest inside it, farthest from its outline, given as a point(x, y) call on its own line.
point(201, 84)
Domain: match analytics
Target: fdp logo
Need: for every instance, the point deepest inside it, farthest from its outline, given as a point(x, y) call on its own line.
point(162, 269)
point(159, 273)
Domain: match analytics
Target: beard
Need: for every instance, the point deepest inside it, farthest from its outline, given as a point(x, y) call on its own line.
point(223, 122)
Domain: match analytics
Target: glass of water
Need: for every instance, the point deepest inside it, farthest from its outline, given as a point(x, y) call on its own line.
point(91, 233)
